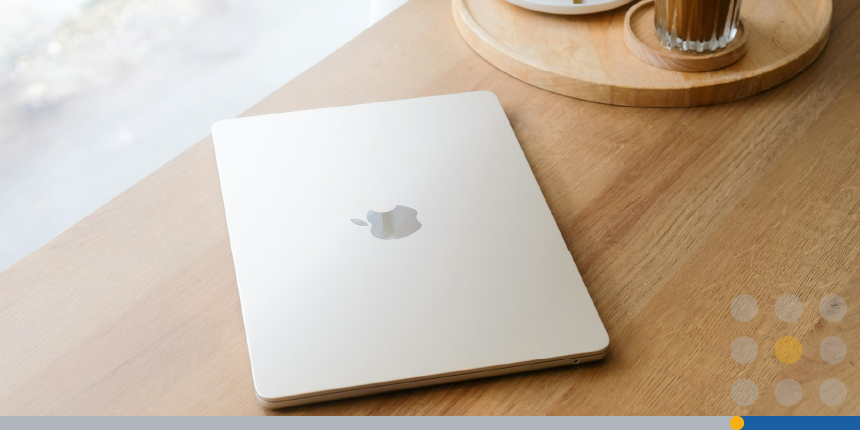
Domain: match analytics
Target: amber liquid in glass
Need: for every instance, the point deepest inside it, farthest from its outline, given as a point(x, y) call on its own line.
point(696, 25)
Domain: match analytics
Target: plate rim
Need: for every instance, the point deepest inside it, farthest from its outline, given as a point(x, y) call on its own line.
point(569, 9)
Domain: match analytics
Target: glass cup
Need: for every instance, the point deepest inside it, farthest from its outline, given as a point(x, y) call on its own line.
point(696, 25)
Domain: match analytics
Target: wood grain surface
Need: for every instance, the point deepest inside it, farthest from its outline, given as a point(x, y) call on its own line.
point(669, 213)
point(586, 57)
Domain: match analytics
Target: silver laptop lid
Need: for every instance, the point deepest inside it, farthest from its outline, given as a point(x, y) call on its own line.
point(462, 266)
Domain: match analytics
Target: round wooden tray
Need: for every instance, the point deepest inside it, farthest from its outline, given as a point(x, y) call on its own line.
point(641, 41)
point(585, 56)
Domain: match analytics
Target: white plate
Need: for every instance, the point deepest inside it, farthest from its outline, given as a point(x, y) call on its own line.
point(567, 7)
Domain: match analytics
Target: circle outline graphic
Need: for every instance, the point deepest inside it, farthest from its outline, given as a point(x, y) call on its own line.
point(788, 307)
point(788, 349)
point(744, 350)
point(833, 307)
point(744, 308)
point(833, 392)
point(744, 392)
point(788, 392)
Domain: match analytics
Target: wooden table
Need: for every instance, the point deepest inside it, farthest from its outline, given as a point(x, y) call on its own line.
point(670, 214)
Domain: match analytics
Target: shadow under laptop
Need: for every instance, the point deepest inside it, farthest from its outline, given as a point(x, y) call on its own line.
point(528, 393)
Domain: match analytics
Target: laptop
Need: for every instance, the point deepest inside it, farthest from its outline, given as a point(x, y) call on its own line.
point(395, 245)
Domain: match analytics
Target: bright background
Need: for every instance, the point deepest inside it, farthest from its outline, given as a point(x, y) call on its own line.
point(97, 94)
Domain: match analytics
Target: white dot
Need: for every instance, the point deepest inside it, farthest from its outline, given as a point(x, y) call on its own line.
point(832, 392)
point(833, 308)
point(744, 392)
point(744, 350)
point(833, 350)
point(788, 308)
point(788, 392)
point(744, 308)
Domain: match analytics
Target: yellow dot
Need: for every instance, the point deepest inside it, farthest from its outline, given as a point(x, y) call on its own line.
point(737, 423)
point(788, 349)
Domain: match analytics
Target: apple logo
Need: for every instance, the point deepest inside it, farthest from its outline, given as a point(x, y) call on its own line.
point(397, 223)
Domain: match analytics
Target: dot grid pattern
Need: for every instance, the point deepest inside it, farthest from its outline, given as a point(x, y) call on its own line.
point(788, 350)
